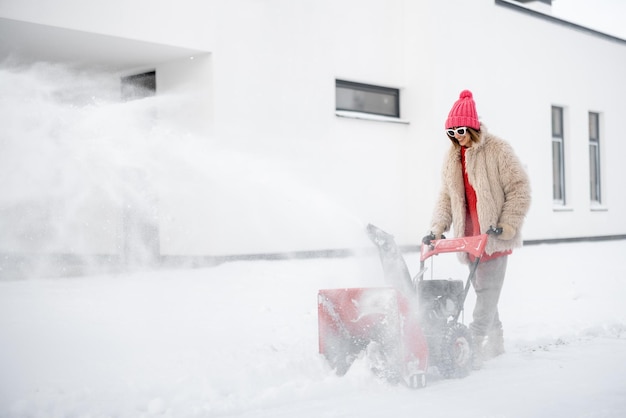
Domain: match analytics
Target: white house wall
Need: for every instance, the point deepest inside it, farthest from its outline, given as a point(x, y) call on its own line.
point(249, 156)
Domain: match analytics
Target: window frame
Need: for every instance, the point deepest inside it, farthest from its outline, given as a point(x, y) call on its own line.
point(558, 156)
point(363, 91)
point(595, 159)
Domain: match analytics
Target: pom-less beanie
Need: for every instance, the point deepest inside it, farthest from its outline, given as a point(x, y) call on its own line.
point(463, 112)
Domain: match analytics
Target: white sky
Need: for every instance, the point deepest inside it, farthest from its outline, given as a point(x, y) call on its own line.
point(603, 15)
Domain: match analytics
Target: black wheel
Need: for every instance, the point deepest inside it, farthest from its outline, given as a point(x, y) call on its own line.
point(456, 352)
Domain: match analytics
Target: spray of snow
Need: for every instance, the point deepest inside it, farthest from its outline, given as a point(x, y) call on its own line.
point(89, 176)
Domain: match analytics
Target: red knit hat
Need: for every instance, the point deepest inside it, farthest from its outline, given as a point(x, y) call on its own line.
point(463, 112)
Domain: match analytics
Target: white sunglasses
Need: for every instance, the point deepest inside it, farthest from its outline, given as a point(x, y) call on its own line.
point(461, 131)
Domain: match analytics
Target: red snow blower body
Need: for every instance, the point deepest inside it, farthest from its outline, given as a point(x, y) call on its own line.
point(404, 328)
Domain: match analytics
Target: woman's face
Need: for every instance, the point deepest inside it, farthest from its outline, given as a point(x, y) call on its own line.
point(461, 135)
point(464, 140)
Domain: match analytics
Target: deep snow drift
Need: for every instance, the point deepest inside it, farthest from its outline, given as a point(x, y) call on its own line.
point(240, 339)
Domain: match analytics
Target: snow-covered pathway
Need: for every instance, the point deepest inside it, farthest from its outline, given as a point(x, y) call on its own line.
point(240, 339)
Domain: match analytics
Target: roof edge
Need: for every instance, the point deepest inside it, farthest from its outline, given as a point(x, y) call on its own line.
point(521, 8)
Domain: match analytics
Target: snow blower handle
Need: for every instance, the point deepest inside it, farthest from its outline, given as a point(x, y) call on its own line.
point(474, 245)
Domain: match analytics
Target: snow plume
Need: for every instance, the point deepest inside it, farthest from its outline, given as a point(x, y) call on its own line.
point(90, 180)
point(66, 161)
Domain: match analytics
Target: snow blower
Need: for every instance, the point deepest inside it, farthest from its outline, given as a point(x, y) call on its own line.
point(407, 327)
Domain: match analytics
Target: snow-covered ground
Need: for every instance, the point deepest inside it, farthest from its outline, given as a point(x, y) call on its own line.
point(240, 340)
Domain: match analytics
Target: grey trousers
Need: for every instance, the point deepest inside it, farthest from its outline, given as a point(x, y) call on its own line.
point(488, 286)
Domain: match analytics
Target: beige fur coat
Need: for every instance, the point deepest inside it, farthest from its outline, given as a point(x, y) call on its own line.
point(502, 191)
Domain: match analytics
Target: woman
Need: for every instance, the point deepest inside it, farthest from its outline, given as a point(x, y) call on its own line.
point(484, 189)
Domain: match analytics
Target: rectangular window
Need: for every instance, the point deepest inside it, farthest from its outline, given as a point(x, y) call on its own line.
point(558, 156)
point(594, 158)
point(367, 98)
point(139, 86)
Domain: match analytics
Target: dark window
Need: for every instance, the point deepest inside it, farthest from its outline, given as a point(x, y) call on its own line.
point(594, 157)
point(558, 156)
point(367, 98)
point(139, 86)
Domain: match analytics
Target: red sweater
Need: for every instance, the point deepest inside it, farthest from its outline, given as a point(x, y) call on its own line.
point(472, 226)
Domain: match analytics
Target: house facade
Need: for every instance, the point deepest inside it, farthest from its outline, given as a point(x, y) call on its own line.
point(264, 127)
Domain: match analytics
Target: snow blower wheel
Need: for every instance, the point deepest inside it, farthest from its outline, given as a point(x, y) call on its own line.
point(456, 352)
